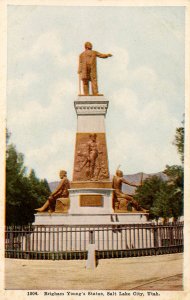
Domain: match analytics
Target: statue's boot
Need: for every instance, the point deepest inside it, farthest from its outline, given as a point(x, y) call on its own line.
point(86, 87)
point(135, 204)
point(94, 85)
point(44, 207)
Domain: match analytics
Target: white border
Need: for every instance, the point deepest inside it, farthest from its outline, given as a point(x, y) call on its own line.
point(3, 58)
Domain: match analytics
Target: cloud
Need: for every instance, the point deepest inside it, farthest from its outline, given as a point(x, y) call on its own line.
point(51, 43)
point(134, 155)
point(145, 79)
point(34, 110)
point(49, 158)
point(125, 98)
point(20, 85)
point(147, 98)
point(48, 43)
point(142, 139)
point(115, 68)
point(45, 133)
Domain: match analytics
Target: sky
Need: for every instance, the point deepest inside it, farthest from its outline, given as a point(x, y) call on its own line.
point(143, 82)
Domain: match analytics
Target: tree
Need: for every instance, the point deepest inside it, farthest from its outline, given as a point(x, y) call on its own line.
point(23, 193)
point(14, 175)
point(39, 189)
point(168, 203)
point(163, 198)
point(179, 142)
point(147, 193)
point(169, 199)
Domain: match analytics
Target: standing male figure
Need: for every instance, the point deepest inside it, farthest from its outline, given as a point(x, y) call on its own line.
point(87, 68)
point(60, 192)
point(92, 153)
point(91, 156)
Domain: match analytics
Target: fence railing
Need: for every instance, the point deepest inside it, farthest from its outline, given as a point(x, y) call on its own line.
point(71, 241)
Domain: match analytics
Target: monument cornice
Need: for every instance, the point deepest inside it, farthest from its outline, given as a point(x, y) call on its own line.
point(91, 105)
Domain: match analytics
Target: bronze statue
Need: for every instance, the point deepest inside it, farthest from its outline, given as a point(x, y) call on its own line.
point(118, 179)
point(60, 192)
point(87, 68)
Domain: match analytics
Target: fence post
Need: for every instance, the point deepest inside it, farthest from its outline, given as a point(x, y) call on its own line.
point(12, 238)
point(155, 232)
point(171, 234)
point(91, 237)
point(91, 259)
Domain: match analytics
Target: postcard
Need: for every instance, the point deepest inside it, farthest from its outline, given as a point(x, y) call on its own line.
point(95, 149)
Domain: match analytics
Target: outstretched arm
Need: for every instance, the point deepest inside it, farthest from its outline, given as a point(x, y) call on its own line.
point(101, 55)
point(129, 183)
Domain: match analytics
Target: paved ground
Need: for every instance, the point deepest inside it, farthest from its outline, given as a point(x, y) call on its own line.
point(171, 283)
point(139, 273)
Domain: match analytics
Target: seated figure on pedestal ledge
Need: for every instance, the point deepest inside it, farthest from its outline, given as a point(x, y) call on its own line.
point(87, 69)
point(121, 198)
point(60, 192)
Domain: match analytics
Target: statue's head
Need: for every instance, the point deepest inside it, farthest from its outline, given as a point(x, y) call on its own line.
point(119, 173)
point(88, 46)
point(93, 136)
point(62, 173)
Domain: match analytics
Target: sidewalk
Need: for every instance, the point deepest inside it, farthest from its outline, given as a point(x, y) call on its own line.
point(114, 274)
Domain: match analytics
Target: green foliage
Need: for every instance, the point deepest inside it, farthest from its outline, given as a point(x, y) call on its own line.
point(175, 189)
point(147, 193)
point(23, 193)
point(163, 198)
point(179, 142)
point(175, 174)
point(168, 203)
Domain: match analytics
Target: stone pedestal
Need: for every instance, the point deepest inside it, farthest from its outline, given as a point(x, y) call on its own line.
point(91, 159)
point(91, 190)
point(91, 261)
point(91, 201)
point(91, 112)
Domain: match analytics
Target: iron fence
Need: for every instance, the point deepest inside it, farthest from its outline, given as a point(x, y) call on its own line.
point(71, 241)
